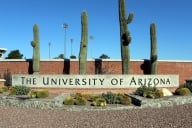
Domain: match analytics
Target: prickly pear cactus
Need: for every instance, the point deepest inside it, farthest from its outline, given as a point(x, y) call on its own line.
point(84, 42)
point(153, 61)
point(36, 48)
point(125, 36)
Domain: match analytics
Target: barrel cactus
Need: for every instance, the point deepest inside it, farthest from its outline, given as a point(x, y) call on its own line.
point(36, 47)
point(125, 36)
point(84, 42)
point(182, 91)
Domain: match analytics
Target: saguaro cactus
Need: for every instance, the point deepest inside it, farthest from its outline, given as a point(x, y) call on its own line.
point(125, 36)
point(84, 42)
point(153, 61)
point(36, 47)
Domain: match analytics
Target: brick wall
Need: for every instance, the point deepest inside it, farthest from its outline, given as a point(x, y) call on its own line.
point(183, 68)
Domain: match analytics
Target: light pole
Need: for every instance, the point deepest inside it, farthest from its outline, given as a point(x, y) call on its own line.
point(71, 46)
point(91, 38)
point(65, 26)
point(49, 49)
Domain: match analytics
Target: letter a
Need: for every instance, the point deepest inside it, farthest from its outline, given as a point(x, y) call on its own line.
point(133, 81)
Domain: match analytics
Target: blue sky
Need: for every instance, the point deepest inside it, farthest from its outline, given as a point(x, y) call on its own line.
point(173, 20)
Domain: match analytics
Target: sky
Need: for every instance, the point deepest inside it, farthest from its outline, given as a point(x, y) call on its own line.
point(173, 21)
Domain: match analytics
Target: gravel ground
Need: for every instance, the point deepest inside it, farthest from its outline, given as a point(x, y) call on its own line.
point(170, 117)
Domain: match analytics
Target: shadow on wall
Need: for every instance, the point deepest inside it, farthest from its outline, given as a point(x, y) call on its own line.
point(66, 69)
point(146, 66)
point(98, 66)
point(30, 68)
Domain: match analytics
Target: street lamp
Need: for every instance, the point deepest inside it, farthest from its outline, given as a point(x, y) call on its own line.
point(91, 38)
point(65, 26)
point(71, 46)
point(49, 44)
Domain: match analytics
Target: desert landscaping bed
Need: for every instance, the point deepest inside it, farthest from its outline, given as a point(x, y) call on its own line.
point(56, 102)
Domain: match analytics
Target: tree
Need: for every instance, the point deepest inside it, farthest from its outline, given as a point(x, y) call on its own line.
point(104, 56)
point(14, 54)
point(60, 56)
point(72, 57)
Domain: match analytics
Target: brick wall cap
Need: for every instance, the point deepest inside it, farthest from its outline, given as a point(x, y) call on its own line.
point(134, 60)
point(2, 80)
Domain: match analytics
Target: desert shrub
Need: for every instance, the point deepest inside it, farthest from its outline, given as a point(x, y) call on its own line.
point(89, 97)
point(12, 91)
point(93, 97)
point(188, 85)
point(21, 90)
point(99, 102)
point(80, 101)
point(152, 93)
point(182, 91)
point(3, 89)
point(111, 98)
point(42, 93)
point(146, 91)
point(69, 100)
point(140, 90)
point(77, 95)
point(158, 94)
point(33, 94)
point(75, 99)
point(125, 100)
point(149, 94)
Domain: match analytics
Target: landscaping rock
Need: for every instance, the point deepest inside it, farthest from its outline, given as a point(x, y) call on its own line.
point(166, 92)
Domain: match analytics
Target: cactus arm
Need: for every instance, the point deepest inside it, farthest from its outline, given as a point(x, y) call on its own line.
point(32, 43)
point(130, 18)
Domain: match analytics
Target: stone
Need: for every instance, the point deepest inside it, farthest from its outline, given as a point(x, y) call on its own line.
point(166, 92)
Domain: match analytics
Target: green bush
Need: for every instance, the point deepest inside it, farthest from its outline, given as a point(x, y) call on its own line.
point(69, 100)
point(140, 90)
point(111, 98)
point(99, 102)
point(21, 90)
point(182, 91)
point(42, 93)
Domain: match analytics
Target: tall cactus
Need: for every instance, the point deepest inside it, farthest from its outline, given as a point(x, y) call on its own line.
point(84, 42)
point(153, 61)
point(125, 36)
point(36, 47)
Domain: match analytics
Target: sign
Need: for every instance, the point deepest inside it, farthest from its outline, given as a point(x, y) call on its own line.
point(95, 81)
